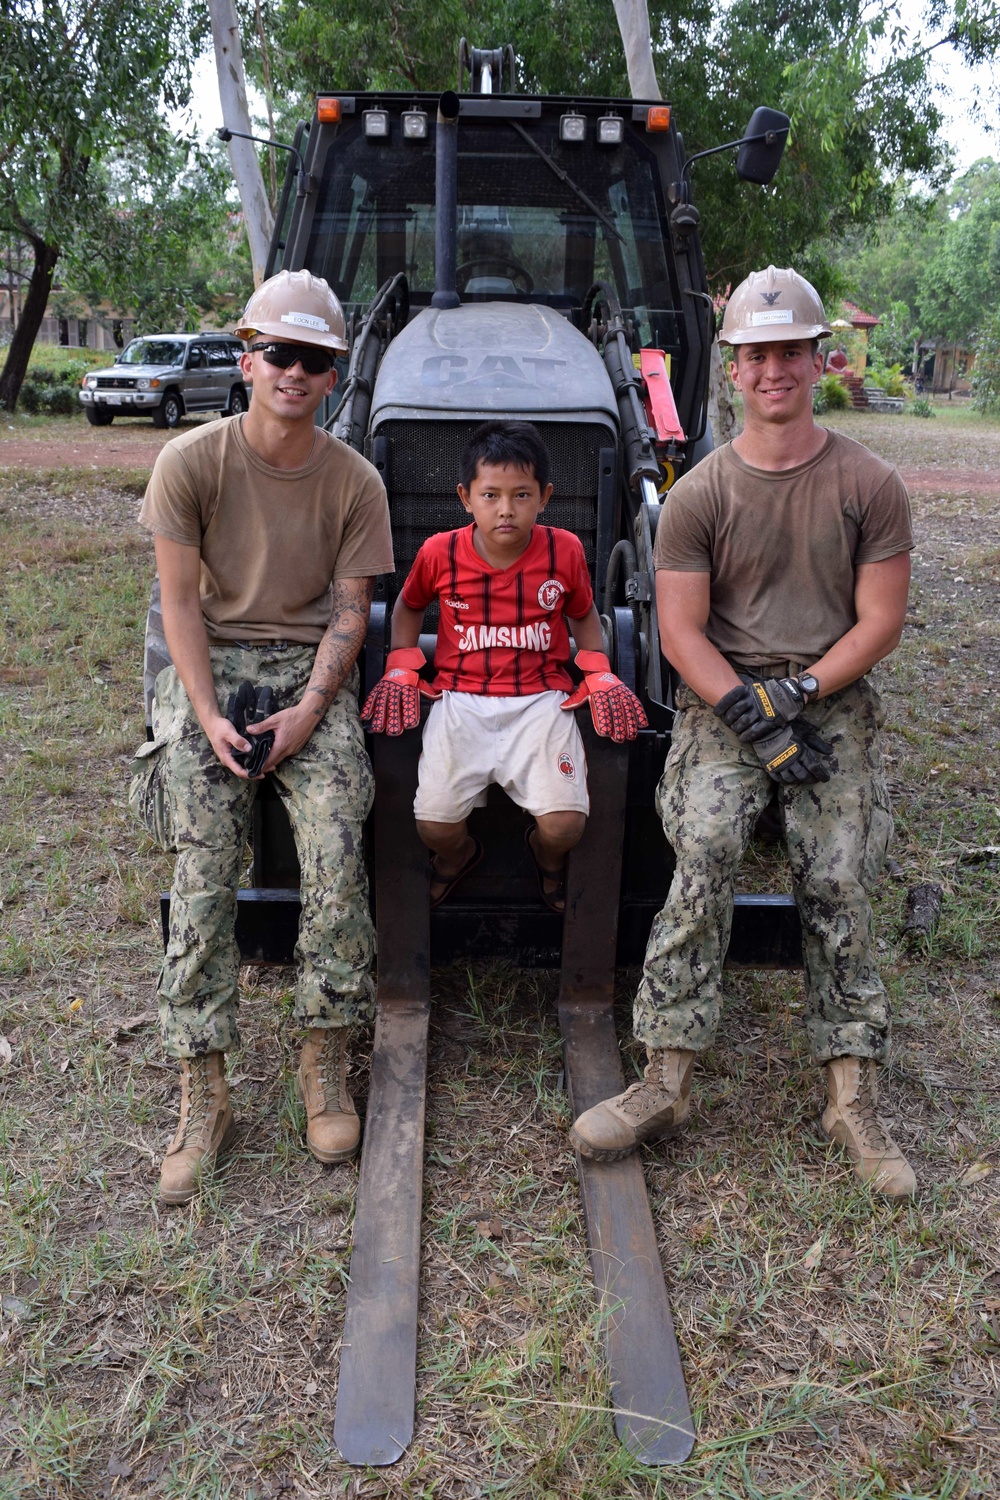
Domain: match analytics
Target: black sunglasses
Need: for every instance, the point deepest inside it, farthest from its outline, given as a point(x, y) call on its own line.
point(314, 361)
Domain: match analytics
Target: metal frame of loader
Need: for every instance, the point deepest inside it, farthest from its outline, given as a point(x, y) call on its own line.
point(497, 910)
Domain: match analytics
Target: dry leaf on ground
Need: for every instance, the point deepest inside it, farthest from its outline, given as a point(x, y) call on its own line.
point(814, 1254)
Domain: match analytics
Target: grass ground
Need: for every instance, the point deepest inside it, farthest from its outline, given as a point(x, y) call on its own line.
point(834, 1347)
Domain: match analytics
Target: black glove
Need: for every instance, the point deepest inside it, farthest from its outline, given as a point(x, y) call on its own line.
point(795, 755)
point(756, 709)
point(250, 705)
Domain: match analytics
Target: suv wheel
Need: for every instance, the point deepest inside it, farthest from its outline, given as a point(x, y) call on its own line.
point(238, 401)
point(98, 417)
point(169, 411)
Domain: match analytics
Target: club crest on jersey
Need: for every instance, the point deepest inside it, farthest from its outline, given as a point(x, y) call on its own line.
point(549, 593)
point(567, 767)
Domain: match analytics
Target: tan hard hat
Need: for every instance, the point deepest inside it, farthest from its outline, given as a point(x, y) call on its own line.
point(297, 307)
point(772, 306)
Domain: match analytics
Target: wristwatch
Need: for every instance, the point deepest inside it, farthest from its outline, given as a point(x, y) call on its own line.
point(809, 685)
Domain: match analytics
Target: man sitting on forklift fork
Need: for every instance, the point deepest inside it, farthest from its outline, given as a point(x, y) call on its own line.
point(782, 569)
point(506, 589)
point(269, 535)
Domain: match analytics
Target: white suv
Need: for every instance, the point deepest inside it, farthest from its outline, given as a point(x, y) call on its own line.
point(166, 375)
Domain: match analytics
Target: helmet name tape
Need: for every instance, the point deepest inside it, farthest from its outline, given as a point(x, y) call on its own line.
point(306, 320)
point(772, 315)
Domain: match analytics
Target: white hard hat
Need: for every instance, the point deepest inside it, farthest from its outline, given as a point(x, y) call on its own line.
point(298, 307)
point(772, 306)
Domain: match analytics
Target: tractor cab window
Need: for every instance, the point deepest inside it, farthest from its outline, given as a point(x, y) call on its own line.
point(539, 220)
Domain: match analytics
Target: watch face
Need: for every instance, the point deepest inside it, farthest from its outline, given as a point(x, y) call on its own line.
point(808, 683)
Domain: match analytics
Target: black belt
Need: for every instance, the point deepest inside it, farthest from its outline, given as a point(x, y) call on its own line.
point(264, 645)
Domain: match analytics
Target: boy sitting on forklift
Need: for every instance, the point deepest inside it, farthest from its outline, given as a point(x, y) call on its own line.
point(510, 591)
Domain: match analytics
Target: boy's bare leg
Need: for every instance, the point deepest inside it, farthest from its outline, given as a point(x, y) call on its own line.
point(553, 836)
point(452, 847)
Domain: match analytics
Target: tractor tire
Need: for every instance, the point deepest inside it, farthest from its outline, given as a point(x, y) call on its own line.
point(169, 411)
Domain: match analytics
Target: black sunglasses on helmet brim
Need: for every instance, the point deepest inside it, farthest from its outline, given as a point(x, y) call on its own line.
point(314, 360)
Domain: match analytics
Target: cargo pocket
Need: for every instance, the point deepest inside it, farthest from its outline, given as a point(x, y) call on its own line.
point(879, 835)
point(147, 795)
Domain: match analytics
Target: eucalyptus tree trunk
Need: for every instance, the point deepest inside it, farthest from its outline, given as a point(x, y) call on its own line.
point(721, 412)
point(633, 23)
point(257, 215)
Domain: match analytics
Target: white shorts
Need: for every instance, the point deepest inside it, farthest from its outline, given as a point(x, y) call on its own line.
point(527, 745)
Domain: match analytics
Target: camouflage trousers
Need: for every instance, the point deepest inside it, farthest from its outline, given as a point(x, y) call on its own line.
point(712, 790)
point(197, 809)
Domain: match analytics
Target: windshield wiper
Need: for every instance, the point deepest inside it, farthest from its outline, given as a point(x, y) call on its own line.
point(550, 162)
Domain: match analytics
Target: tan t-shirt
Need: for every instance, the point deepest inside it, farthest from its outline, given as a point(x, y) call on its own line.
point(272, 541)
point(782, 547)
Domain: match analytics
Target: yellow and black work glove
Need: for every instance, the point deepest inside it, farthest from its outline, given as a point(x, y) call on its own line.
point(616, 711)
point(755, 709)
point(252, 705)
point(795, 755)
point(394, 702)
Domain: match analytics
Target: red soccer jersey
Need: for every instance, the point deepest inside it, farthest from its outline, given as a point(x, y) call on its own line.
point(502, 632)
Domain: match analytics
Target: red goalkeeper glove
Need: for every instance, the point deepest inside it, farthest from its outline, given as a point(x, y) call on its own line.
point(614, 708)
point(394, 702)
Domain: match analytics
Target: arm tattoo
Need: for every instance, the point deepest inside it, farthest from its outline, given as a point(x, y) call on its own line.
point(345, 635)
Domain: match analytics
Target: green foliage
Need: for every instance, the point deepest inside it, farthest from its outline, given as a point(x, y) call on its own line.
point(830, 394)
point(960, 280)
point(922, 407)
point(880, 263)
point(49, 363)
point(888, 378)
point(931, 267)
point(52, 397)
point(892, 341)
point(986, 372)
point(79, 82)
point(172, 252)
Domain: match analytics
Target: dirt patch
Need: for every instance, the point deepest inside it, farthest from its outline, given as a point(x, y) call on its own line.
point(83, 447)
point(923, 481)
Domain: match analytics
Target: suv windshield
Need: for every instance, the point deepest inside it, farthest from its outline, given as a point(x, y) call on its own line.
point(152, 352)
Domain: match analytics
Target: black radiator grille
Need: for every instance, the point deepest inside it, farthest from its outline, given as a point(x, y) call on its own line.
point(422, 472)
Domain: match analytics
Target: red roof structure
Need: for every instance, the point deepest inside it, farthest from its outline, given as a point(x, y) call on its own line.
point(858, 318)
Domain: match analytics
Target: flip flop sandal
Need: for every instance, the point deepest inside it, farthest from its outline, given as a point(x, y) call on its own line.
point(449, 885)
point(554, 900)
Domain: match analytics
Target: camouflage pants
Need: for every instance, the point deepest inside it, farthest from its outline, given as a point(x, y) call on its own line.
point(200, 811)
point(837, 833)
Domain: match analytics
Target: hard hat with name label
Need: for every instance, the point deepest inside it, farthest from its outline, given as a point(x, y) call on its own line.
point(297, 307)
point(773, 306)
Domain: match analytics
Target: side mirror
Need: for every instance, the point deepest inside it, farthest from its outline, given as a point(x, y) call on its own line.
point(762, 145)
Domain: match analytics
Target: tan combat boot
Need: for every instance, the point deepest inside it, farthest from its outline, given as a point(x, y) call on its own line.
point(651, 1110)
point(850, 1120)
point(334, 1130)
point(206, 1128)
